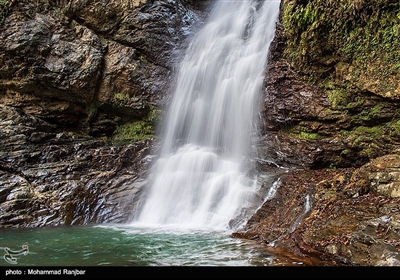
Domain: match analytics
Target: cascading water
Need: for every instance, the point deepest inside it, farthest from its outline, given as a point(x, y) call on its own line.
point(200, 178)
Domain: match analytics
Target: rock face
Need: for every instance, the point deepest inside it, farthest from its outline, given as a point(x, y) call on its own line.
point(319, 110)
point(50, 178)
point(90, 65)
point(331, 117)
point(83, 83)
point(344, 217)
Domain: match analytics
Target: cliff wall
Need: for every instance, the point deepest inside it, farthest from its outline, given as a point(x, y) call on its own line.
point(82, 86)
point(331, 123)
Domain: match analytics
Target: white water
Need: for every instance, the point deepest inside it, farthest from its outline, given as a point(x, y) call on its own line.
point(200, 178)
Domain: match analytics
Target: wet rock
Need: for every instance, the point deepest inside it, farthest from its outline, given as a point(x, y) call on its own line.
point(312, 117)
point(42, 69)
point(84, 66)
point(63, 179)
point(352, 217)
point(383, 175)
point(71, 74)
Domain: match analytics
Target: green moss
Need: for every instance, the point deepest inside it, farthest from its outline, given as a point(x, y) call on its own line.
point(394, 128)
point(138, 129)
point(308, 136)
point(304, 135)
point(344, 133)
point(374, 131)
point(123, 97)
point(364, 136)
point(365, 34)
point(154, 115)
point(345, 99)
point(370, 141)
point(344, 152)
point(375, 111)
point(337, 97)
point(366, 139)
point(364, 118)
point(305, 130)
point(366, 153)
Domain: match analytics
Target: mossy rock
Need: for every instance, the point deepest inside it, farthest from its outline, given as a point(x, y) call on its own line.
point(350, 42)
point(138, 129)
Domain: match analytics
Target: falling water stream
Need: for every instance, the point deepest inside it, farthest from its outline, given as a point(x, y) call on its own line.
point(202, 183)
point(202, 177)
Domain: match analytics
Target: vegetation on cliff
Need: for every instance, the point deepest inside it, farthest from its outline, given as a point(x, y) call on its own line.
point(141, 129)
point(357, 39)
point(348, 52)
point(332, 108)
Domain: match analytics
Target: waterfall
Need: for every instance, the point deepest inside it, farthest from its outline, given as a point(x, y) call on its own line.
point(200, 178)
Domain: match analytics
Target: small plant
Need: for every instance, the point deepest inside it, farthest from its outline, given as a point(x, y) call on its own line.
point(139, 129)
point(302, 133)
point(123, 97)
point(308, 136)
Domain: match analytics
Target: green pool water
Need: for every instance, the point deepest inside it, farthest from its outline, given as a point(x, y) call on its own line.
point(124, 245)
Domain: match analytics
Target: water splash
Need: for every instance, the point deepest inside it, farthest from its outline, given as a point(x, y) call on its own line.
point(272, 190)
point(200, 178)
point(307, 204)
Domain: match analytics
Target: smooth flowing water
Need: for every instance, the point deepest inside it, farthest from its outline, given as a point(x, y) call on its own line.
point(202, 177)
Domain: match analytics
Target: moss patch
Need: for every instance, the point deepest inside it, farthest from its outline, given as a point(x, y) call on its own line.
point(301, 131)
point(360, 38)
point(337, 97)
point(136, 130)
